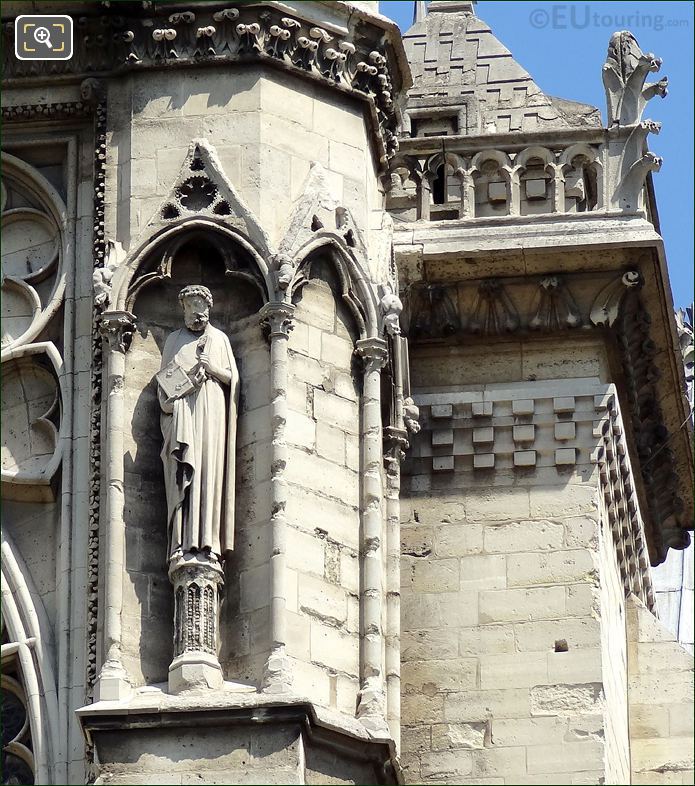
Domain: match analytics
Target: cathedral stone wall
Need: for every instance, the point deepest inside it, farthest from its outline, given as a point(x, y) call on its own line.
point(660, 673)
point(511, 627)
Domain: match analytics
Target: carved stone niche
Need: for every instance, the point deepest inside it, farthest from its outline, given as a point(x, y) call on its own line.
point(190, 256)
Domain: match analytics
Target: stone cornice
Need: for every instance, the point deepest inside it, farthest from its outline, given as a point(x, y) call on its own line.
point(365, 61)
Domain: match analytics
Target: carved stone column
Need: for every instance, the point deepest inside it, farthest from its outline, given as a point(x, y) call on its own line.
point(117, 328)
point(371, 707)
point(197, 580)
point(277, 319)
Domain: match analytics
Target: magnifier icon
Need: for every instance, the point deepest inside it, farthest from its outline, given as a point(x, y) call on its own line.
point(43, 36)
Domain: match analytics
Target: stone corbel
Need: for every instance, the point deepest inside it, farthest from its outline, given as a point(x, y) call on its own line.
point(117, 328)
point(277, 321)
point(606, 306)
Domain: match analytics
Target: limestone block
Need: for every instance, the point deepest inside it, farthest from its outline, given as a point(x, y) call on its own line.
point(439, 675)
point(567, 757)
point(443, 464)
point(298, 399)
point(337, 411)
point(566, 699)
point(523, 407)
point(417, 541)
point(415, 738)
point(557, 567)
point(430, 576)
point(497, 505)
point(423, 644)
point(438, 610)
point(426, 709)
point(334, 120)
point(483, 435)
point(349, 571)
point(305, 551)
point(581, 600)
point(346, 159)
point(442, 436)
point(293, 101)
point(522, 536)
point(524, 433)
point(524, 458)
point(565, 457)
point(513, 671)
point(574, 666)
point(478, 705)
point(446, 765)
point(681, 719)
point(305, 340)
point(570, 500)
point(505, 761)
point(255, 588)
point(648, 720)
point(511, 732)
point(565, 431)
point(336, 351)
point(320, 599)
point(301, 431)
point(541, 636)
point(483, 572)
point(306, 369)
point(333, 648)
point(521, 605)
point(448, 736)
point(308, 679)
point(581, 531)
point(323, 477)
point(330, 443)
point(484, 461)
point(481, 409)
point(486, 640)
point(336, 519)
point(317, 306)
point(456, 540)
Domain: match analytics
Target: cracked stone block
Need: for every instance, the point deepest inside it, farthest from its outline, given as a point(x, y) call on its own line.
point(483, 435)
point(524, 406)
point(441, 410)
point(563, 404)
point(442, 463)
point(443, 436)
point(524, 458)
point(536, 189)
point(497, 192)
point(484, 461)
point(481, 409)
point(564, 456)
point(565, 431)
point(524, 433)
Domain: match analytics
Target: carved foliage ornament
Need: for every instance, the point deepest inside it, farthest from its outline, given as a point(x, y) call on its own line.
point(113, 40)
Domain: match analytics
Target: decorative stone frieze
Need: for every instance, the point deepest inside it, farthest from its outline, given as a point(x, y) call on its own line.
point(353, 61)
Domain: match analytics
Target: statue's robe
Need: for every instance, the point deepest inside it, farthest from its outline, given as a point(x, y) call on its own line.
point(198, 453)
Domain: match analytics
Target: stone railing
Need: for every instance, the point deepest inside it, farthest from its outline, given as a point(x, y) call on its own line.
point(563, 171)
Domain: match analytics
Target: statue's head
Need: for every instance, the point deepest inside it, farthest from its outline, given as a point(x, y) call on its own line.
point(196, 301)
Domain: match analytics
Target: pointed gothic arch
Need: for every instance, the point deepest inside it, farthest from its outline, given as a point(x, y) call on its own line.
point(29, 648)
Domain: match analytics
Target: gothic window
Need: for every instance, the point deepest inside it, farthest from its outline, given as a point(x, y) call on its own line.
point(17, 765)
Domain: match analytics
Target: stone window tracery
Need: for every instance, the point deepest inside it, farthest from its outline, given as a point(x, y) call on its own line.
point(17, 766)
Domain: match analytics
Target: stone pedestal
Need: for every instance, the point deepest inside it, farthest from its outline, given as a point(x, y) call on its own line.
point(197, 580)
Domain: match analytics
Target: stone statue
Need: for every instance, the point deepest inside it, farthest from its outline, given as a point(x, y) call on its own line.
point(198, 392)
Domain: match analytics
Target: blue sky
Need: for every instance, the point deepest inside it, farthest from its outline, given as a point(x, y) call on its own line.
point(563, 46)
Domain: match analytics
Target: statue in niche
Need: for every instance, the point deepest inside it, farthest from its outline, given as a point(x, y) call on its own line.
point(198, 392)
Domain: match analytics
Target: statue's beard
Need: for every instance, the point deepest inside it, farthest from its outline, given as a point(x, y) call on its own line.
point(196, 324)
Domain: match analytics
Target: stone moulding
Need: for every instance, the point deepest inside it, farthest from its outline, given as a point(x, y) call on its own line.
point(323, 729)
point(620, 499)
point(351, 61)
